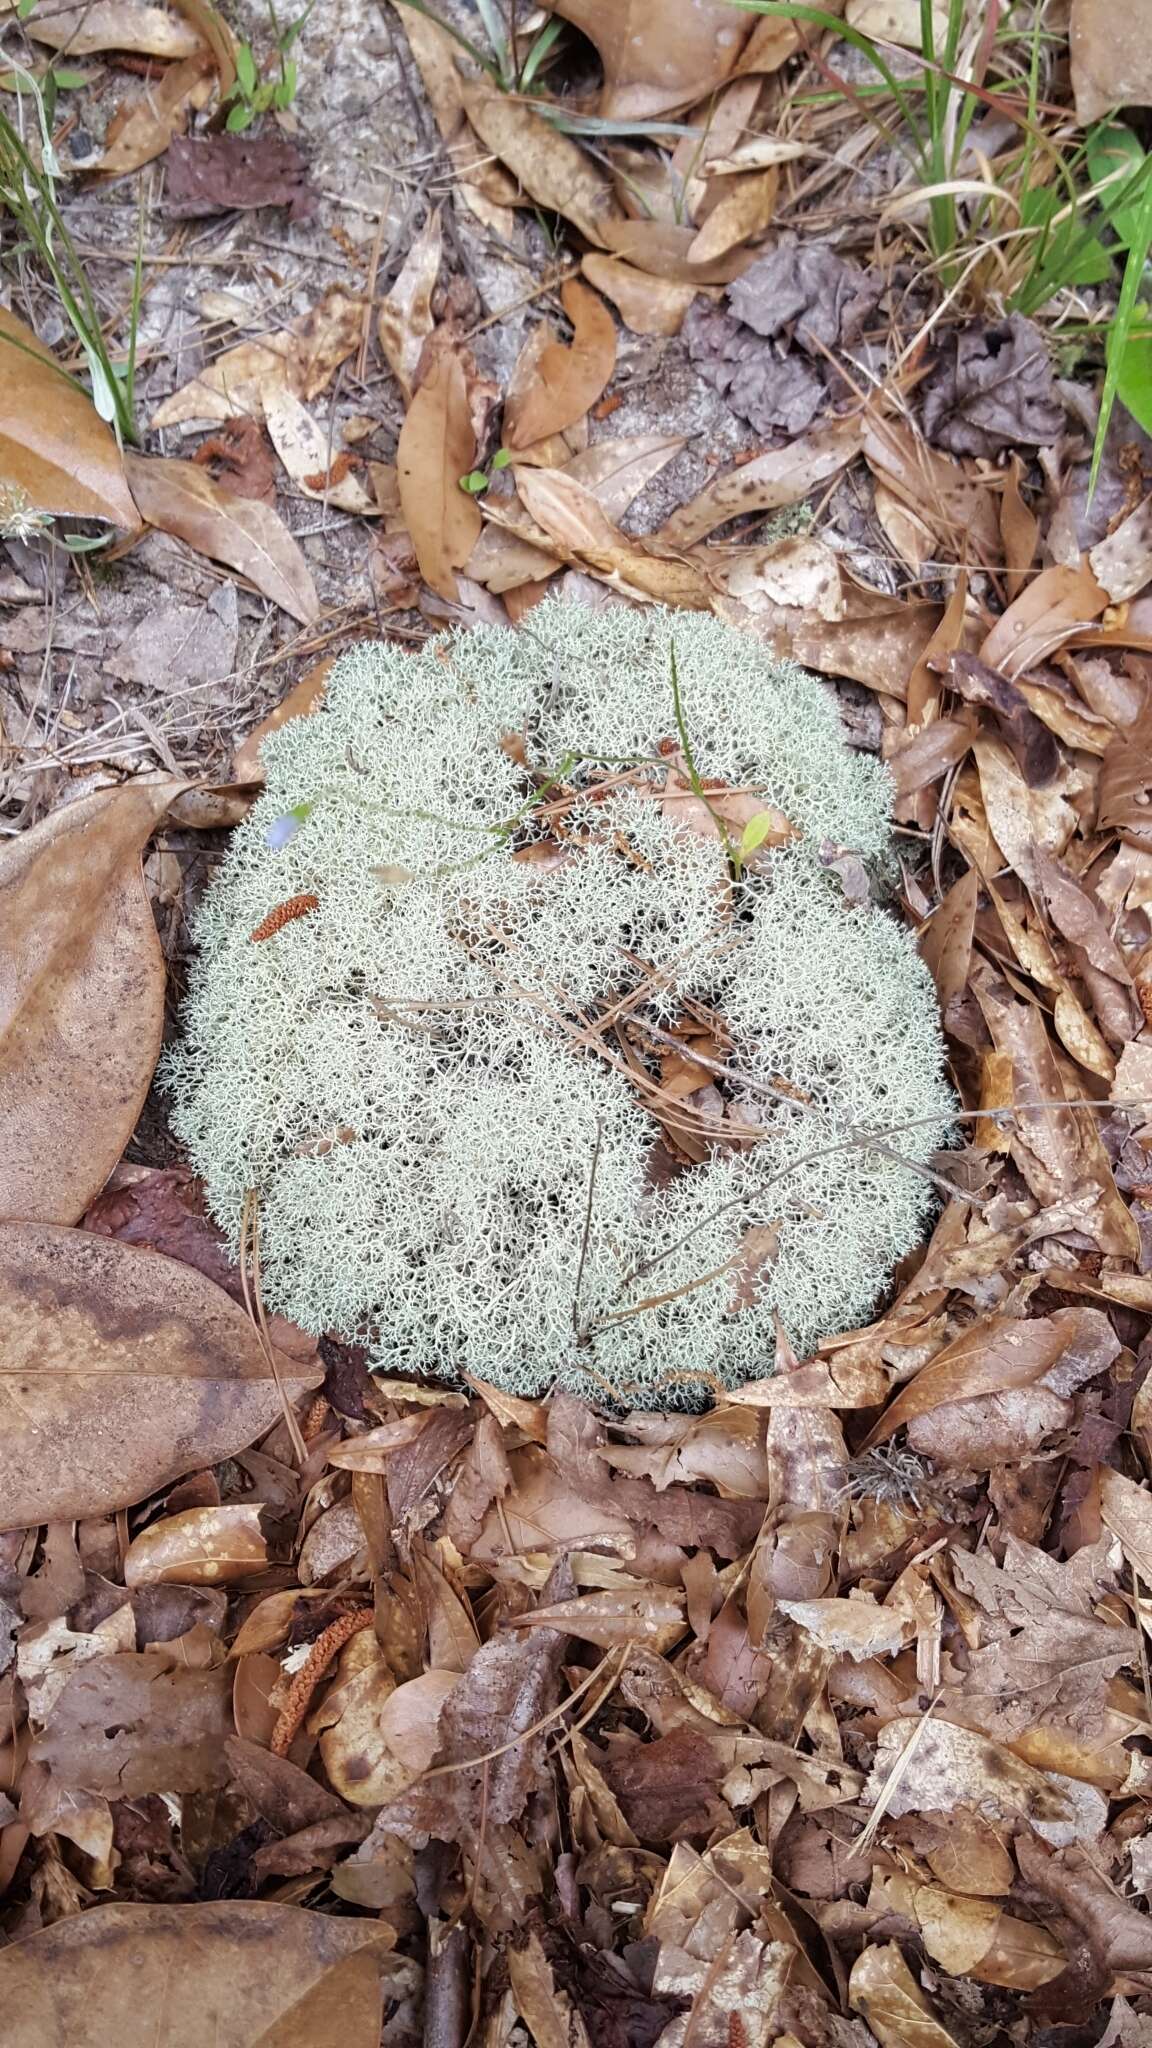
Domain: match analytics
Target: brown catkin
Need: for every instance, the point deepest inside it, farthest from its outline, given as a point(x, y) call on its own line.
point(284, 913)
point(299, 1697)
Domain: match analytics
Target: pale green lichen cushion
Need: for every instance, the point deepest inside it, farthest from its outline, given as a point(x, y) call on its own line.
point(397, 1072)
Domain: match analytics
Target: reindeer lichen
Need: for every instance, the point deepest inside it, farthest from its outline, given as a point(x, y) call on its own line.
point(422, 1079)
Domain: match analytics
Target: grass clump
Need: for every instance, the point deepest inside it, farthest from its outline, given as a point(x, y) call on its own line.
point(422, 1078)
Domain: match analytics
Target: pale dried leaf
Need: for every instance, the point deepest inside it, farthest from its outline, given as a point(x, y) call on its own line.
point(181, 498)
point(55, 450)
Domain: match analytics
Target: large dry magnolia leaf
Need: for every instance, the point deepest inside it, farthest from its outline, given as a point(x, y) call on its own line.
point(659, 54)
point(81, 998)
point(182, 499)
point(237, 1972)
point(55, 450)
point(121, 1370)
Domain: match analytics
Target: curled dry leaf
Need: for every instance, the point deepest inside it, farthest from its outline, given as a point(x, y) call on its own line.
point(238, 1972)
point(998, 1352)
point(437, 447)
point(124, 1371)
point(181, 499)
point(81, 998)
point(781, 477)
point(202, 1547)
point(55, 450)
point(568, 379)
point(304, 357)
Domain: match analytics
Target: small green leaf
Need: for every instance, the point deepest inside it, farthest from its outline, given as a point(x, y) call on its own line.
point(71, 81)
point(502, 458)
point(245, 69)
point(756, 832)
point(475, 481)
point(1134, 382)
point(1112, 148)
point(239, 118)
point(25, 8)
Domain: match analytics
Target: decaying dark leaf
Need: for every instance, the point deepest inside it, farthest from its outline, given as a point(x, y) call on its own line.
point(992, 389)
point(216, 173)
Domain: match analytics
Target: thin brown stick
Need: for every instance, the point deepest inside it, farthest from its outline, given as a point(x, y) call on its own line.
point(250, 1248)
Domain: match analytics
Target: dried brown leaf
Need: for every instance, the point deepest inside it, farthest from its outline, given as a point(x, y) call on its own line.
point(1047, 612)
point(179, 498)
point(655, 56)
point(581, 533)
point(316, 470)
point(646, 304)
point(547, 2013)
point(567, 380)
point(83, 30)
point(781, 477)
point(302, 698)
point(936, 1766)
point(437, 447)
point(81, 998)
point(405, 319)
point(202, 1547)
point(304, 357)
point(141, 131)
point(998, 1352)
point(55, 450)
point(242, 1972)
point(1110, 59)
point(124, 1370)
point(553, 171)
point(136, 1723)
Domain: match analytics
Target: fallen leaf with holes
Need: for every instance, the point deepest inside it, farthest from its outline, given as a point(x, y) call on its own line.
point(113, 25)
point(56, 454)
point(567, 380)
point(216, 173)
point(81, 969)
point(125, 1371)
point(179, 498)
point(315, 469)
point(137, 1723)
point(142, 129)
point(241, 1970)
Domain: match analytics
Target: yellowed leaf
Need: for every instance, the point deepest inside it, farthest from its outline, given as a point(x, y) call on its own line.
point(304, 451)
point(745, 206)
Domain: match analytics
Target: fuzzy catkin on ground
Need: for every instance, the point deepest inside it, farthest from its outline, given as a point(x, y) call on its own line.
point(397, 1073)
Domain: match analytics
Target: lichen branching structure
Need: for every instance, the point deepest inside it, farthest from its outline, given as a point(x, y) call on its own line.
point(441, 1081)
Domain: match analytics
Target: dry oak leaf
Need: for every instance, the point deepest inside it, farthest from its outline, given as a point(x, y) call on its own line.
point(179, 498)
point(1001, 1351)
point(82, 982)
point(237, 1972)
point(1042, 1655)
point(56, 453)
point(122, 1370)
point(437, 446)
point(657, 54)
